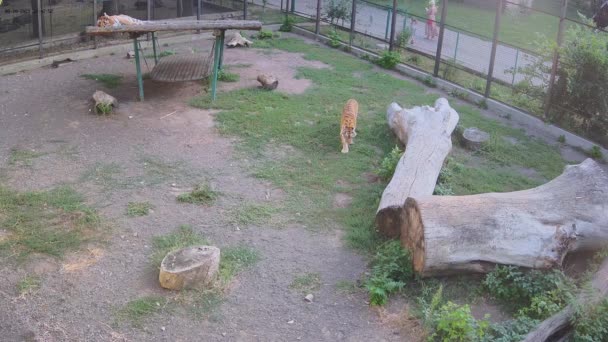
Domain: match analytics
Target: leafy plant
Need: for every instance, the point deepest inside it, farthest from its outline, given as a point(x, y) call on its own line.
point(334, 38)
point(28, 285)
point(595, 152)
point(591, 323)
point(336, 10)
point(404, 37)
point(138, 208)
point(561, 139)
point(450, 71)
point(225, 76)
point(389, 59)
point(429, 82)
point(456, 323)
point(287, 25)
point(391, 269)
point(483, 104)
point(389, 163)
point(265, 34)
point(104, 108)
point(201, 194)
point(513, 330)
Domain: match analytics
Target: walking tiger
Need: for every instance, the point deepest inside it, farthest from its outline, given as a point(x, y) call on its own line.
point(348, 124)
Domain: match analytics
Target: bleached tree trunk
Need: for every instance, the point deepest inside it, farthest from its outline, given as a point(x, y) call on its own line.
point(190, 267)
point(532, 228)
point(426, 132)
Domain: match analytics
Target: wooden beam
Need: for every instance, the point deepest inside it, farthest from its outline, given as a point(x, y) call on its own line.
point(178, 25)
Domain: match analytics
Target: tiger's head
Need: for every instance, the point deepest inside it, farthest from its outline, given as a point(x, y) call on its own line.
point(105, 20)
point(349, 133)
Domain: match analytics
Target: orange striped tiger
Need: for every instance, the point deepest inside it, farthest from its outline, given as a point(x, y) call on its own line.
point(348, 124)
point(117, 20)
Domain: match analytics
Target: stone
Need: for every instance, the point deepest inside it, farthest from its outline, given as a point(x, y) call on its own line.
point(309, 298)
point(101, 97)
point(473, 138)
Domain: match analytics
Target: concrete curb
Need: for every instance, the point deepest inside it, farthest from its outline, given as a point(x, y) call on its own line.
point(514, 114)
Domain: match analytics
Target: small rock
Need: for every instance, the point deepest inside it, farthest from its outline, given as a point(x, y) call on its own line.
point(291, 322)
point(162, 328)
point(131, 54)
point(309, 298)
point(224, 334)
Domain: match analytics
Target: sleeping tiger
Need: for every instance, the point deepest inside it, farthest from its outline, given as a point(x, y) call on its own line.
point(117, 20)
point(348, 124)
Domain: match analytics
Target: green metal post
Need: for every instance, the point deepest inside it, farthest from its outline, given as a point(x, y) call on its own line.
point(293, 5)
point(456, 48)
point(140, 82)
point(404, 21)
point(222, 37)
point(515, 67)
point(388, 22)
point(154, 48)
point(216, 62)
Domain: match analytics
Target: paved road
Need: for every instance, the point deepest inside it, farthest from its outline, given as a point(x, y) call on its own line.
point(466, 49)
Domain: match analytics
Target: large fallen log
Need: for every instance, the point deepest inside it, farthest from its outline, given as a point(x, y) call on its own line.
point(559, 325)
point(426, 132)
point(531, 228)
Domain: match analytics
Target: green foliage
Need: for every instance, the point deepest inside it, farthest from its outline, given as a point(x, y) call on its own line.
point(459, 94)
point(47, 222)
point(136, 311)
point(591, 323)
point(538, 293)
point(23, 157)
point(265, 34)
point(28, 285)
point(104, 108)
point(389, 163)
point(138, 208)
point(234, 260)
point(391, 269)
point(108, 80)
point(287, 25)
point(389, 59)
point(595, 152)
point(412, 59)
point(513, 330)
point(334, 38)
point(450, 70)
point(201, 194)
point(455, 322)
point(483, 104)
point(429, 82)
point(183, 237)
point(225, 76)
point(404, 37)
point(443, 187)
point(307, 282)
point(561, 139)
point(336, 10)
point(252, 214)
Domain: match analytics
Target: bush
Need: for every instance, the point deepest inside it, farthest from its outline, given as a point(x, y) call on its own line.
point(334, 38)
point(287, 25)
point(510, 331)
point(456, 323)
point(105, 109)
point(591, 324)
point(389, 59)
point(337, 10)
point(391, 269)
point(265, 34)
point(404, 37)
point(389, 164)
point(595, 152)
point(536, 293)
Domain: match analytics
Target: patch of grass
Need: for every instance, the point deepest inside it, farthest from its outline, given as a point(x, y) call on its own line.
point(595, 152)
point(235, 259)
point(306, 283)
point(255, 214)
point(103, 108)
point(23, 157)
point(28, 285)
point(136, 311)
point(225, 76)
point(201, 194)
point(347, 287)
point(139, 208)
point(561, 139)
point(183, 237)
point(106, 175)
point(48, 222)
point(265, 34)
point(108, 80)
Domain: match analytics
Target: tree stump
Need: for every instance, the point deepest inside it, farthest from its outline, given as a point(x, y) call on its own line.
point(269, 82)
point(190, 267)
point(473, 138)
point(426, 132)
point(238, 40)
point(104, 100)
point(532, 228)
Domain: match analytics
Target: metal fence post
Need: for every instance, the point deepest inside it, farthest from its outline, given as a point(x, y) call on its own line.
point(391, 41)
point(318, 19)
point(388, 23)
point(353, 21)
point(457, 43)
point(39, 12)
point(494, 45)
point(444, 13)
point(515, 67)
point(293, 6)
point(560, 34)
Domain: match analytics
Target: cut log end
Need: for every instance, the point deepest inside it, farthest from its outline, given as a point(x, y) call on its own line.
point(474, 138)
point(389, 220)
point(412, 233)
point(268, 82)
point(191, 267)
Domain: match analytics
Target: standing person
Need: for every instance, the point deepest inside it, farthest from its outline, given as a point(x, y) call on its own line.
point(413, 25)
point(431, 12)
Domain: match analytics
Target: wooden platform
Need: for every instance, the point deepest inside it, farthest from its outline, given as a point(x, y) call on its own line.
point(182, 68)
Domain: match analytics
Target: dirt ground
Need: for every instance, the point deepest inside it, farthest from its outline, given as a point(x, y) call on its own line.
point(48, 111)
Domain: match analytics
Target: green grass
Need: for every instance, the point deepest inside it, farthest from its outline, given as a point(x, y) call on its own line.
point(306, 283)
point(47, 222)
point(256, 214)
point(201, 194)
point(225, 76)
point(184, 236)
point(139, 208)
point(28, 285)
point(23, 157)
point(108, 80)
point(347, 287)
point(235, 259)
point(309, 123)
point(136, 311)
point(105, 175)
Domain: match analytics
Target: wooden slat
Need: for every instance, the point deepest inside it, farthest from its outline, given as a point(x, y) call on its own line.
point(181, 68)
point(178, 25)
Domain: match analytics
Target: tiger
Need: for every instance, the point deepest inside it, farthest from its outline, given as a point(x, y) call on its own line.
point(117, 20)
point(348, 124)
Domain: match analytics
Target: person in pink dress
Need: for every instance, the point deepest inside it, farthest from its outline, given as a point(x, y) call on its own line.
point(431, 12)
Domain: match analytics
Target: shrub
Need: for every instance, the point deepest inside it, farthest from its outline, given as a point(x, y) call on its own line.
point(391, 269)
point(510, 331)
point(287, 25)
point(334, 38)
point(595, 152)
point(404, 37)
point(561, 139)
point(456, 323)
point(337, 10)
point(265, 34)
point(389, 59)
point(104, 108)
point(591, 324)
point(389, 164)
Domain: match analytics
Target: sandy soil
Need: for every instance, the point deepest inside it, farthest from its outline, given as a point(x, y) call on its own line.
point(48, 111)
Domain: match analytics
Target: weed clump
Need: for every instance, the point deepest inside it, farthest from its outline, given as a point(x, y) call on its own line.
point(201, 194)
point(391, 270)
point(139, 208)
point(389, 59)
